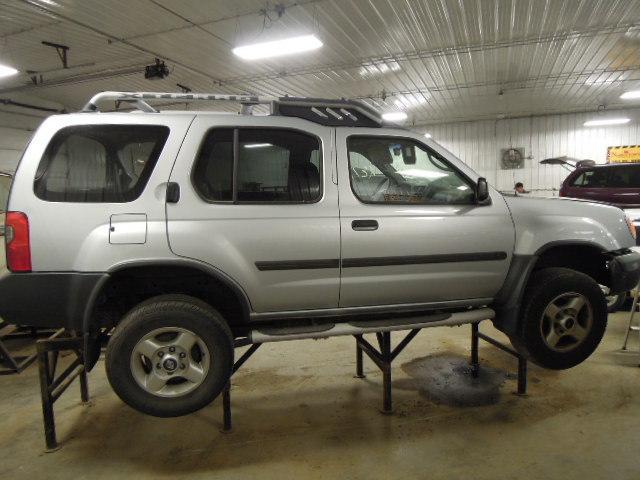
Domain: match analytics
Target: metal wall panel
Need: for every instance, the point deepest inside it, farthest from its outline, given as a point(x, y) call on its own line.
point(478, 144)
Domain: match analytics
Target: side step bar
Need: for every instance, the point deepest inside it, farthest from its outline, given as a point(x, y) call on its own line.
point(359, 327)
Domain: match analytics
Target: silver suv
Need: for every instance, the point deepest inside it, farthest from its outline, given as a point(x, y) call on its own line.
point(182, 231)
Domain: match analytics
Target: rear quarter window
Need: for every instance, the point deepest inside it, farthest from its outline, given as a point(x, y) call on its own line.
point(99, 163)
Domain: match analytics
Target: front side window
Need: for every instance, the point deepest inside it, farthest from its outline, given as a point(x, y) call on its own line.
point(401, 171)
point(99, 163)
point(271, 165)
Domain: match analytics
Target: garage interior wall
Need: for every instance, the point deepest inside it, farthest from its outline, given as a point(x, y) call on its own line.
point(17, 124)
point(478, 144)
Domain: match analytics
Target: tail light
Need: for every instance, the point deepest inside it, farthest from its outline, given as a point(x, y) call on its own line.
point(18, 245)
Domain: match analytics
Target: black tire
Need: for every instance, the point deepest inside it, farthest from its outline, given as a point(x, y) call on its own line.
point(545, 287)
point(170, 311)
point(615, 302)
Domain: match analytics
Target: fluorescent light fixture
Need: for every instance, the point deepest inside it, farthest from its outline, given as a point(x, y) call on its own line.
point(608, 121)
point(257, 145)
point(394, 116)
point(630, 95)
point(278, 48)
point(6, 71)
point(427, 135)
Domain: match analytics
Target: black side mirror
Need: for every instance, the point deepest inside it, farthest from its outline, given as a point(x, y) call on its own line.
point(482, 190)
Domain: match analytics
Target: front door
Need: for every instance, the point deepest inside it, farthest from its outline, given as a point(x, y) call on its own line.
point(412, 232)
point(257, 202)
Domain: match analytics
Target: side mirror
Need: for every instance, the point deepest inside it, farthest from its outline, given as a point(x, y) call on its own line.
point(482, 190)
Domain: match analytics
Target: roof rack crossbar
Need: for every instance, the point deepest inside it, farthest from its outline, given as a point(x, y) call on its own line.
point(339, 111)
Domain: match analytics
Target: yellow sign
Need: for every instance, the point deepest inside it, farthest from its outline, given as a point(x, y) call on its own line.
point(624, 154)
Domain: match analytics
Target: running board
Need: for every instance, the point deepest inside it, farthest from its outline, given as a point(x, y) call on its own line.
point(359, 327)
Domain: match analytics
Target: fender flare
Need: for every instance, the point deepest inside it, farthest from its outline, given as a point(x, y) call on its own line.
point(508, 299)
point(217, 274)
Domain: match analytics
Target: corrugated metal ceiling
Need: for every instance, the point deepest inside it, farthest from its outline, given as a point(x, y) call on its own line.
point(440, 60)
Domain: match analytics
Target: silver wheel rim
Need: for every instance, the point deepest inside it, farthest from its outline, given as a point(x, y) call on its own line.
point(170, 362)
point(611, 300)
point(566, 322)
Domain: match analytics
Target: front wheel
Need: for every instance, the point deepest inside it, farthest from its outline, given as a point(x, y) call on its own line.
point(170, 356)
point(564, 316)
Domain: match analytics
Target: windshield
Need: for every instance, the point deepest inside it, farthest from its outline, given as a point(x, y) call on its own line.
point(616, 177)
point(5, 185)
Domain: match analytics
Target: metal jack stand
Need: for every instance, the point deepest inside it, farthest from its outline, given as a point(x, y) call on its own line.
point(52, 387)
point(475, 362)
point(12, 363)
point(226, 393)
point(383, 359)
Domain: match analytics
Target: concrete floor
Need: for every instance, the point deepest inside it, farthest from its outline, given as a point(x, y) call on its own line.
point(299, 413)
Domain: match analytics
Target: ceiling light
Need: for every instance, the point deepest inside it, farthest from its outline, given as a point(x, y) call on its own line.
point(609, 121)
point(278, 48)
point(6, 71)
point(394, 116)
point(257, 145)
point(630, 95)
point(427, 135)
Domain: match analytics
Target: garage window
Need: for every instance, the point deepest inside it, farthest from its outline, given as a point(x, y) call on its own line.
point(99, 163)
point(268, 165)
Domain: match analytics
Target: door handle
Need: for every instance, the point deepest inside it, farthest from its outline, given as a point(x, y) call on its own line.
point(173, 192)
point(364, 225)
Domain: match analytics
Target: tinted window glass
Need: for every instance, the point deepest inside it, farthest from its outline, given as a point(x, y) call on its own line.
point(391, 170)
point(624, 177)
point(99, 163)
point(213, 172)
point(273, 165)
point(610, 177)
point(5, 186)
point(591, 178)
point(278, 166)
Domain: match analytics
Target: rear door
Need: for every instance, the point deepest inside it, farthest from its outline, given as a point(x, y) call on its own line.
point(411, 230)
point(258, 202)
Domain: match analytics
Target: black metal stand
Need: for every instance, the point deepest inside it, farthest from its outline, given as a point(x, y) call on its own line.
point(476, 336)
point(52, 387)
point(226, 393)
point(383, 358)
point(12, 364)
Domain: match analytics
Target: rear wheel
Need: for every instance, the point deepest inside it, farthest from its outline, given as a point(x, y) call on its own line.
point(170, 356)
point(564, 316)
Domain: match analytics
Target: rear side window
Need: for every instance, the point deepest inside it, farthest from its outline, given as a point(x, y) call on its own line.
point(609, 177)
point(99, 163)
point(271, 166)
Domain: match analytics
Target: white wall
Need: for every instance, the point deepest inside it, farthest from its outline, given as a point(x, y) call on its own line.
point(16, 126)
point(479, 143)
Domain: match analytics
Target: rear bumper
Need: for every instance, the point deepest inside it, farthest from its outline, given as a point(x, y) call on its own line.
point(624, 271)
point(48, 300)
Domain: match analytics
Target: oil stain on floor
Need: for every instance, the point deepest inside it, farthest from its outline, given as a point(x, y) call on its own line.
point(446, 379)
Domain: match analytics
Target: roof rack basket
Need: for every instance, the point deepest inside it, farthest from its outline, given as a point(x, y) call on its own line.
point(329, 112)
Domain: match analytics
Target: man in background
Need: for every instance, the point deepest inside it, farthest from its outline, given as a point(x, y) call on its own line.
point(519, 188)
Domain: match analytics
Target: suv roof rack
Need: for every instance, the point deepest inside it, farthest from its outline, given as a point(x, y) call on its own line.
point(329, 112)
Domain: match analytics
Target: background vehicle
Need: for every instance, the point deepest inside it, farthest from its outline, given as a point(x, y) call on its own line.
point(615, 184)
point(192, 229)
